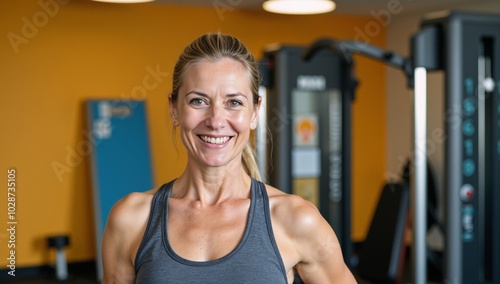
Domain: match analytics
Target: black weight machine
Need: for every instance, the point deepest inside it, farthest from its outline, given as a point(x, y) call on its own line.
point(466, 46)
point(306, 112)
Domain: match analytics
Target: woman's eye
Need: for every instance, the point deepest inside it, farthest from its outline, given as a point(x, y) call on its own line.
point(196, 102)
point(234, 103)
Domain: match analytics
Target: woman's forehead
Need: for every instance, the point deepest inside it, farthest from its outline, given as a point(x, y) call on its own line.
point(224, 62)
point(225, 72)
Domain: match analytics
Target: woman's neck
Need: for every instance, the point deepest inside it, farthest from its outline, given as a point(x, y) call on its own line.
point(212, 185)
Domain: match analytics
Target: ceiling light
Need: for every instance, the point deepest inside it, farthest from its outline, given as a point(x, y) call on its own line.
point(299, 7)
point(124, 1)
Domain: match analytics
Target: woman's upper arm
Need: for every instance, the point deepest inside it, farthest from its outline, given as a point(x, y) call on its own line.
point(117, 242)
point(319, 249)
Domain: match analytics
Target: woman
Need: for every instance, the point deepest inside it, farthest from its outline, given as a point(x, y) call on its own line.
point(216, 223)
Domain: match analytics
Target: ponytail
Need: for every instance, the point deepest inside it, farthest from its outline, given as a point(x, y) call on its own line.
point(249, 163)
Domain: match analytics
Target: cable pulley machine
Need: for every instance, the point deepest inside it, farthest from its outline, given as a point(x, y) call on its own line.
point(466, 46)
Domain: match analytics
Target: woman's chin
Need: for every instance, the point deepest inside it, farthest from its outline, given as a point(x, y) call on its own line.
point(214, 162)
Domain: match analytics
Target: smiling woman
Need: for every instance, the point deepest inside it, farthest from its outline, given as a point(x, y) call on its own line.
point(217, 223)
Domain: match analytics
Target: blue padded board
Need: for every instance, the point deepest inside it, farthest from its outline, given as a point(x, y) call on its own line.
point(121, 158)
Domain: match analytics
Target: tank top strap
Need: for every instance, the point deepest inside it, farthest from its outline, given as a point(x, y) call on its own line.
point(262, 205)
point(154, 222)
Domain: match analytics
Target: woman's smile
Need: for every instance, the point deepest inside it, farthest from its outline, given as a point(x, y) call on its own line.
point(215, 140)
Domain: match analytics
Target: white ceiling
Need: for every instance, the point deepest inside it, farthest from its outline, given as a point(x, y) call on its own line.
point(360, 7)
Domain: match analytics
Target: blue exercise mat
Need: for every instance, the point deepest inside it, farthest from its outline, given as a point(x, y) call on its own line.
point(121, 158)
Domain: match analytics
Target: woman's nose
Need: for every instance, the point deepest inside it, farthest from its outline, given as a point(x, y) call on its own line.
point(216, 118)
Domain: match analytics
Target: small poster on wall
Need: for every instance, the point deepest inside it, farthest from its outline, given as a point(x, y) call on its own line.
point(305, 130)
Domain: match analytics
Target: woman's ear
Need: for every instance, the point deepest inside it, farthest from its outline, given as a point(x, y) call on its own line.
point(255, 115)
point(174, 114)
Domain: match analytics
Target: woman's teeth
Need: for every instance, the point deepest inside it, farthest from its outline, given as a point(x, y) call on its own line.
point(212, 140)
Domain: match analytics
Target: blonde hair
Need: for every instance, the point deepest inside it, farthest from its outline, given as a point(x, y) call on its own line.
point(214, 47)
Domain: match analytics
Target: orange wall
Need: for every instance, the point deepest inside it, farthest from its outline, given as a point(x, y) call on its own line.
point(82, 49)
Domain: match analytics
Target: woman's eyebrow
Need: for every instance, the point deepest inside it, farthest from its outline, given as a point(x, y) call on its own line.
point(238, 94)
point(196, 93)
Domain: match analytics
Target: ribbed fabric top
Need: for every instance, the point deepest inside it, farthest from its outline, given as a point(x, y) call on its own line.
point(256, 259)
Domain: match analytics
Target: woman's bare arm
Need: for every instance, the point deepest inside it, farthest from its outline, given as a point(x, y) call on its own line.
point(318, 249)
point(124, 230)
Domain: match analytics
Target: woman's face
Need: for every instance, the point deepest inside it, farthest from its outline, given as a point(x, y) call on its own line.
point(215, 112)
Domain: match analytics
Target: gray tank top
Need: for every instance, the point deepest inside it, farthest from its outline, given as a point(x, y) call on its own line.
point(256, 259)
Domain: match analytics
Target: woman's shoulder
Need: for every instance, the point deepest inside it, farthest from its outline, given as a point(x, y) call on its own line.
point(132, 209)
point(280, 199)
point(293, 212)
